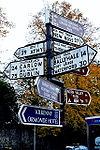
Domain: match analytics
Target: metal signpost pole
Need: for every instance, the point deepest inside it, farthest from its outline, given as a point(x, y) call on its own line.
point(49, 76)
point(49, 50)
point(61, 84)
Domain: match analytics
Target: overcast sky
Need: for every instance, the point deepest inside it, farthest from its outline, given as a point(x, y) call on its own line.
point(18, 11)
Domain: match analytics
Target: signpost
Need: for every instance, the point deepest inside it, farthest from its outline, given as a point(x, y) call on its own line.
point(64, 23)
point(25, 68)
point(41, 116)
point(76, 96)
point(64, 36)
point(48, 90)
point(72, 60)
point(31, 50)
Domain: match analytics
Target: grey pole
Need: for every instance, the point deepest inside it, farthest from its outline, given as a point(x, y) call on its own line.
point(88, 140)
point(34, 137)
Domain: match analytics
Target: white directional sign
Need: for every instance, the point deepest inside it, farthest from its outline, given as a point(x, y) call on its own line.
point(31, 49)
point(72, 60)
point(61, 47)
point(48, 90)
point(67, 37)
point(64, 23)
point(25, 68)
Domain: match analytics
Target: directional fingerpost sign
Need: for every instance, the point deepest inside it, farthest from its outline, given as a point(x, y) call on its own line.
point(72, 60)
point(78, 97)
point(31, 50)
point(25, 68)
point(64, 36)
point(48, 90)
point(61, 47)
point(41, 116)
point(64, 23)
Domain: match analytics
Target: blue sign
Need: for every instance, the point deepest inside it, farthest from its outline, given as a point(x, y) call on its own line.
point(33, 115)
point(95, 120)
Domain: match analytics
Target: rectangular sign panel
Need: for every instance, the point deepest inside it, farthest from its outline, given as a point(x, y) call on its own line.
point(41, 116)
point(72, 60)
point(61, 47)
point(25, 68)
point(31, 49)
point(64, 23)
point(48, 90)
point(77, 96)
point(67, 37)
point(95, 120)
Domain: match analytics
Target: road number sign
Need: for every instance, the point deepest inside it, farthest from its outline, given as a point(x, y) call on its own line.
point(48, 90)
point(72, 60)
point(41, 116)
point(25, 68)
point(78, 97)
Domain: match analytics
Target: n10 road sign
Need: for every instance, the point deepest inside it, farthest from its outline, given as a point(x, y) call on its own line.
point(41, 116)
point(72, 60)
point(66, 37)
point(78, 97)
point(25, 68)
point(48, 90)
point(64, 23)
point(31, 49)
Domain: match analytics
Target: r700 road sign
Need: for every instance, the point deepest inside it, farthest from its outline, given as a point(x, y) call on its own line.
point(31, 49)
point(78, 97)
point(72, 60)
point(64, 23)
point(25, 68)
point(48, 90)
point(41, 116)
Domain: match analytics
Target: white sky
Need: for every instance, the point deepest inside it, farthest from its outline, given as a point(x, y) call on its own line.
point(18, 12)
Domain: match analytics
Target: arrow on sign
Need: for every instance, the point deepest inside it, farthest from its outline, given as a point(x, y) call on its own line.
point(25, 68)
point(72, 60)
point(78, 97)
point(48, 90)
point(33, 115)
point(64, 36)
point(31, 50)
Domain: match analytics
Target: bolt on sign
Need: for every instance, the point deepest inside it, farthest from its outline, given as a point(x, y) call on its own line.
point(77, 96)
